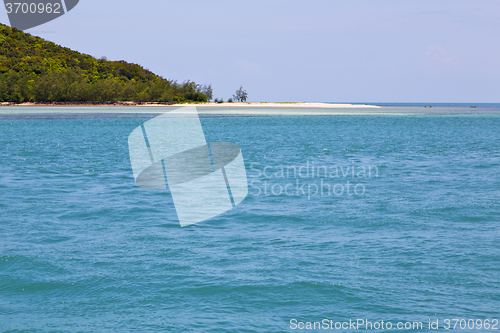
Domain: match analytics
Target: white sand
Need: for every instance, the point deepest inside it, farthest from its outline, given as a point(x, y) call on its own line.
point(214, 105)
point(214, 109)
point(278, 105)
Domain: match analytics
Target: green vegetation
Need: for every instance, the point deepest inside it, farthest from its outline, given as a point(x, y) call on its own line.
point(240, 95)
point(35, 70)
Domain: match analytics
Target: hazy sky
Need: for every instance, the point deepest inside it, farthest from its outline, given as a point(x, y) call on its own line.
point(286, 50)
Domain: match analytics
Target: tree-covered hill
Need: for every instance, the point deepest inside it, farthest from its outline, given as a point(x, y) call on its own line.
point(35, 70)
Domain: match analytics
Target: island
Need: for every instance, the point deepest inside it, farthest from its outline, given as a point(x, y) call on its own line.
point(37, 72)
point(34, 70)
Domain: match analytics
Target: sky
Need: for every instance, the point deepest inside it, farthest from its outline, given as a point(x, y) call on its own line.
point(359, 51)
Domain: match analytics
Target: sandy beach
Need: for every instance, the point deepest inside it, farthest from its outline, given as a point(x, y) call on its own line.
point(210, 104)
point(285, 105)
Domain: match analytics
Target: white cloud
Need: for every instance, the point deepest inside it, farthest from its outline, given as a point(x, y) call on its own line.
point(436, 55)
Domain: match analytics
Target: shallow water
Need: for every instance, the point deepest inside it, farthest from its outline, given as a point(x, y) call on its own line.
point(413, 238)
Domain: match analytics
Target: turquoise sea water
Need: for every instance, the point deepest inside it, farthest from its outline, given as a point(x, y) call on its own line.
point(414, 237)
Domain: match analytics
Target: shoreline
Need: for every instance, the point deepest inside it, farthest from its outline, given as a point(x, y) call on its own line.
point(131, 110)
point(209, 104)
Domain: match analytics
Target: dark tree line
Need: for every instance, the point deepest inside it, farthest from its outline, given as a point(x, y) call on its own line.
point(32, 69)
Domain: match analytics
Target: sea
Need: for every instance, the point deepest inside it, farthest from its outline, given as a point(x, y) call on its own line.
point(359, 220)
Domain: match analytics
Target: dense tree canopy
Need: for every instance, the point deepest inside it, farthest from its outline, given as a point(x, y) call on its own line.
point(33, 69)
